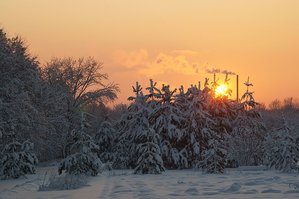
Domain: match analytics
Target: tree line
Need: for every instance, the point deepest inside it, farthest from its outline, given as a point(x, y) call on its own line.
point(58, 111)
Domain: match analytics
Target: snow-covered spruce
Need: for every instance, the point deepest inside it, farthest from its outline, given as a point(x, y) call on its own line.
point(282, 151)
point(17, 159)
point(191, 105)
point(130, 124)
point(246, 142)
point(193, 126)
point(214, 157)
point(149, 161)
point(19, 87)
point(167, 119)
point(84, 158)
point(105, 138)
point(216, 131)
point(248, 132)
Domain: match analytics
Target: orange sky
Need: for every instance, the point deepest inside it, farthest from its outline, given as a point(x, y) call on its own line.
point(171, 41)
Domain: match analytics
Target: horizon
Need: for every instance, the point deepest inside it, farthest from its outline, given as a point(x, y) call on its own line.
point(171, 42)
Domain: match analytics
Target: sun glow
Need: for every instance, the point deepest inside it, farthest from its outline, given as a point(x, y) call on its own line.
point(222, 90)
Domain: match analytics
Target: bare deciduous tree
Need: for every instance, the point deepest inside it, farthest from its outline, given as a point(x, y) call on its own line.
point(82, 82)
point(275, 104)
point(83, 78)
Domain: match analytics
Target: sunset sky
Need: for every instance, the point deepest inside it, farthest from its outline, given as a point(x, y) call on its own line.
point(170, 41)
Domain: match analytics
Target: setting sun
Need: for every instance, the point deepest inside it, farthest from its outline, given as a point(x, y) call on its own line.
point(221, 90)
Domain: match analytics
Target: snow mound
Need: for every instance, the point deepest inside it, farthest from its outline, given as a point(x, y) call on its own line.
point(192, 191)
point(271, 191)
point(64, 182)
point(233, 188)
point(253, 191)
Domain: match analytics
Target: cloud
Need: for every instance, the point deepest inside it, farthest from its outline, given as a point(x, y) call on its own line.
point(168, 63)
point(131, 59)
point(217, 70)
point(228, 72)
point(163, 63)
point(213, 70)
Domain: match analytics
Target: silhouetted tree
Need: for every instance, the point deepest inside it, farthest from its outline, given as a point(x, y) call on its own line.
point(82, 83)
point(20, 88)
point(275, 105)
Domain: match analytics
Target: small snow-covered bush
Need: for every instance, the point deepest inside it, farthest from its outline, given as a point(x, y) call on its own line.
point(17, 159)
point(81, 163)
point(64, 182)
point(105, 138)
point(214, 158)
point(84, 159)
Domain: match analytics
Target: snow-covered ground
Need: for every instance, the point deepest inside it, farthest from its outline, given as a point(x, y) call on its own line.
point(243, 182)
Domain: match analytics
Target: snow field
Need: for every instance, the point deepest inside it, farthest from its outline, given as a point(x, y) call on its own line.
point(243, 182)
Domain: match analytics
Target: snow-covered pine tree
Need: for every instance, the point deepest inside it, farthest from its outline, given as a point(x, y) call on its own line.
point(131, 129)
point(214, 156)
point(17, 159)
point(181, 100)
point(281, 149)
point(153, 96)
point(19, 92)
point(168, 123)
point(247, 138)
point(148, 150)
point(214, 148)
point(214, 84)
point(191, 105)
point(215, 134)
point(247, 98)
point(149, 155)
point(154, 92)
point(105, 138)
point(248, 132)
point(83, 158)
